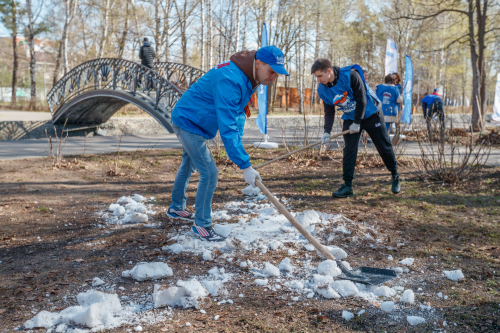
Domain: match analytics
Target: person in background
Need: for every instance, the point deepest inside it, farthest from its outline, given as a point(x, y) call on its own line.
point(433, 103)
point(147, 54)
point(345, 89)
point(390, 96)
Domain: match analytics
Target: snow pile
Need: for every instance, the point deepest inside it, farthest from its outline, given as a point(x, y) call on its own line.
point(345, 288)
point(129, 210)
point(347, 315)
point(261, 282)
point(271, 270)
point(384, 291)
point(454, 275)
point(186, 294)
point(415, 320)
point(97, 282)
point(407, 261)
point(214, 283)
point(408, 297)
point(250, 190)
point(97, 310)
point(149, 271)
point(286, 265)
point(387, 306)
point(329, 267)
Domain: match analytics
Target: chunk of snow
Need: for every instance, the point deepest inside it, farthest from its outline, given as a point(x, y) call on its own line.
point(415, 320)
point(249, 190)
point(286, 265)
point(329, 267)
point(138, 328)
point(389, 257)
point(322, 280)
point(398, 270)
point(243, 264)
point(185, 294)
point(327, 292)
point(387, 306)
point(454, 275)
point(440, 295)
point(207, 255)
point(119, 211)
point(425, 307)
point(408, 296)
point(384, 291)
point(347, 315)
point(261, 282)
point(138, 218)
point(113, 206)
point(309, 247)
point(291, 252)
point(337, 252)
point(97, 282)
point(296, 285)
point(271, 270)
point(361, 312)
point(346, 265)
point(217, 317)
point(149, 271)
point(139, 198)
point(175, 248)
point(308, 217)
point(407, 261)
point(345, 288)
point(223, 229)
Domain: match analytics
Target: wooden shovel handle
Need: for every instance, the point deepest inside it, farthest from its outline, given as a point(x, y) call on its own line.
point(323, 250)
point(300, 149)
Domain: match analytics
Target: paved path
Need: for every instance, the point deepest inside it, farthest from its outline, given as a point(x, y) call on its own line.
point(21, 149)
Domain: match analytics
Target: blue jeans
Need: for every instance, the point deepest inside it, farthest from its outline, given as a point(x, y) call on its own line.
point(195, 156)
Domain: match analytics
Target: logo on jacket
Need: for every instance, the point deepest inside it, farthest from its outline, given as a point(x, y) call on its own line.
point(387, 98)
point(340, 99)
point(222, 64)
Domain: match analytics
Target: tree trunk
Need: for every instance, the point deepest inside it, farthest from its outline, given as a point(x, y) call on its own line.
point(243, 42)
point(31, 45)
point(14, 49)
point(102, 43)
point(157, 35)
point(210, 34)
point(237, 32)
point(202, 55)
point(123, 39)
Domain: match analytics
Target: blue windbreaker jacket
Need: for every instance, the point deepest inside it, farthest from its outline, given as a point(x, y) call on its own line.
point(341, 94)
point(388, 95)
point(216, 102)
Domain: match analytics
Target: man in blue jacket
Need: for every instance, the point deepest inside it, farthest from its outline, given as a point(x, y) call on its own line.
point(389, 95)
point(433, 103)
point(216, 102)
point(346, 89)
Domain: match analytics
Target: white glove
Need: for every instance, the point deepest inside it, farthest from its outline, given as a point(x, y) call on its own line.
point(325, 138)
point(250, 175)
point(354, 128)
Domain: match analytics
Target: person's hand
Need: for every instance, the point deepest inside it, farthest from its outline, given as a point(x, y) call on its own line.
point(325, 138)
point(354, 128)
point(249, 174)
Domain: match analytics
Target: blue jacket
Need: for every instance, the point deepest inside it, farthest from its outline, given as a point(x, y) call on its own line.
point(341, 94)
point(216, 102)
point(388, 95)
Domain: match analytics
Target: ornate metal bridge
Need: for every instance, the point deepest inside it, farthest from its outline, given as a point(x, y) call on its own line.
point(95, 90)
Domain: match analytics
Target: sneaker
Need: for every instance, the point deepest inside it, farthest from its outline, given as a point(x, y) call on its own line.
point(343, 192)
point(396, 184)
point(180, 214)
point(207, 233)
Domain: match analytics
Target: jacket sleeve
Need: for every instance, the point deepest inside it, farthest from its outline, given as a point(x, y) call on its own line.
point(227, 95)
point(359, 92)
point(140, 53)
point(329, 117)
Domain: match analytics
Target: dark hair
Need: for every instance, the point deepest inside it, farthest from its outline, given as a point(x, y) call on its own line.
point(146, 39)
point(397, 78)
point(321, 65)
point(389, 79)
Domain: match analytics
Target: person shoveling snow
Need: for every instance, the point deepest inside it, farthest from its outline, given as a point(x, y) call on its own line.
point(217, 103)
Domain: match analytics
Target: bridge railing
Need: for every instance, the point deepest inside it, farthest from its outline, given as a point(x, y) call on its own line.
point(115, 74)
point(180, 75)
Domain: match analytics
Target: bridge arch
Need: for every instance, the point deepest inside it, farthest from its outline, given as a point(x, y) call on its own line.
point(95, 90)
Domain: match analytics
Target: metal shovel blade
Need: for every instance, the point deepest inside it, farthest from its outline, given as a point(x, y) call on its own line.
point(367, 275)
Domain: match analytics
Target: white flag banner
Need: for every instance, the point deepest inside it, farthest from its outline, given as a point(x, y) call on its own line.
point(391, 57)
point(496, 106)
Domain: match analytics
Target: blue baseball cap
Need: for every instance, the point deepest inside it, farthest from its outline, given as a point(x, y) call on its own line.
point(435, 90)
point(272, 56)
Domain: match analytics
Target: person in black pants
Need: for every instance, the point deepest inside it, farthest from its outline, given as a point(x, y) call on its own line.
point(147, 56)
point(346, 89)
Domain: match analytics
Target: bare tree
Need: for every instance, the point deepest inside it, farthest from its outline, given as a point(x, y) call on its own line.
point(9, 15)
point(70, 7)
point(202, 25)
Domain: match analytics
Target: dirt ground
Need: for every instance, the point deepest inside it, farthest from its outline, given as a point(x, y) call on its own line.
point(48, 218)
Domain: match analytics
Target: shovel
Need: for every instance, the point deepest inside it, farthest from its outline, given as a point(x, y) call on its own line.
point(300, 149)
point(365, 275)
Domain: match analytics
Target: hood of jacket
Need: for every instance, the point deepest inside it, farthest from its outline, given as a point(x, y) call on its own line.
point(245, 61)
point(146, 44)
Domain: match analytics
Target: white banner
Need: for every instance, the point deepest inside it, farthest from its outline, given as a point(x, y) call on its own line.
point(496, 106)
point(391, 57)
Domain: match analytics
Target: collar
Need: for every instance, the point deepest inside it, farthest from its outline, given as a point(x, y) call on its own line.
point(336, 71)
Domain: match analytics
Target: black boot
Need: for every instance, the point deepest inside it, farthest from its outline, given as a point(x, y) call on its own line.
point(396, 184)
point(343, 192)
